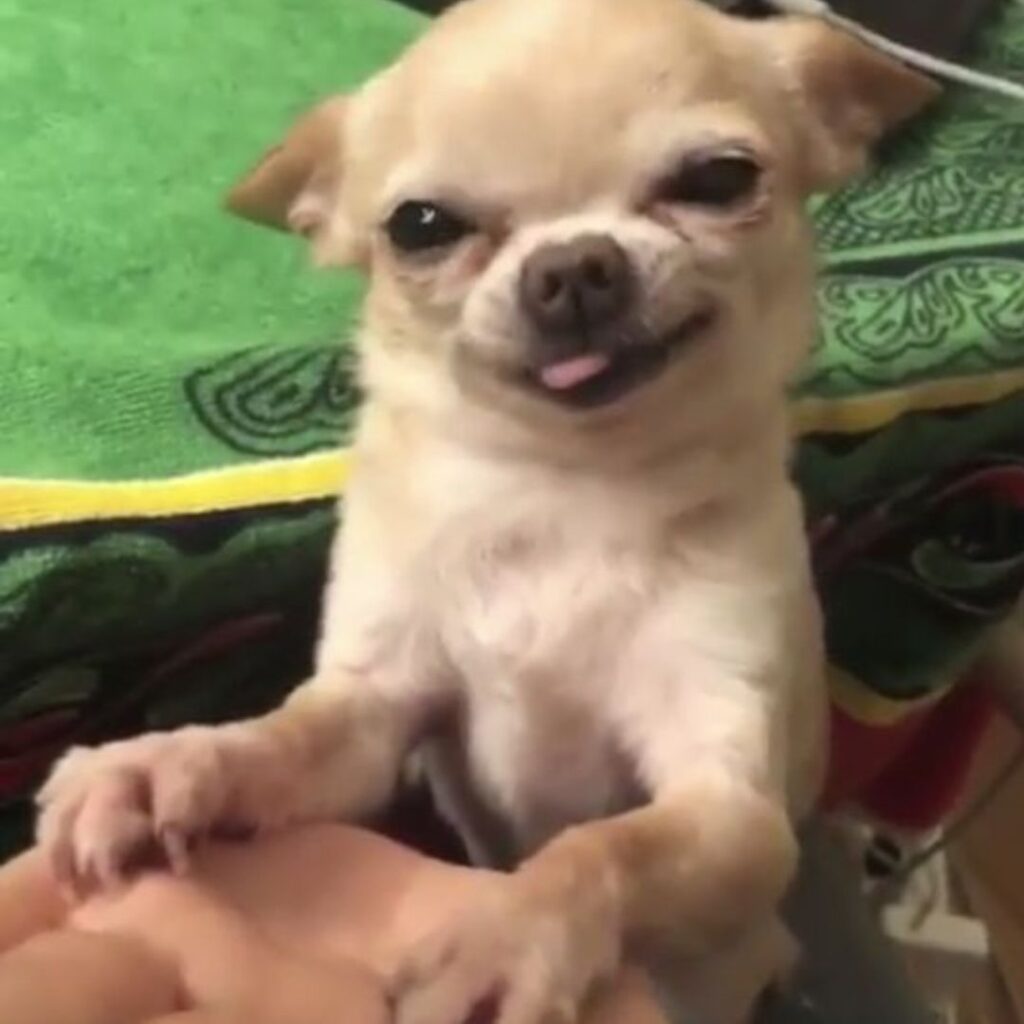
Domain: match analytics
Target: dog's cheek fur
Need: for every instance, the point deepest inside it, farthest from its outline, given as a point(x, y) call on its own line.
point(440, 283)
point(416, 302)
point(774, 309)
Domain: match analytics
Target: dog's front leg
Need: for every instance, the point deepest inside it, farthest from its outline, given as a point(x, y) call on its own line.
point(333, 750)
point(684, 876)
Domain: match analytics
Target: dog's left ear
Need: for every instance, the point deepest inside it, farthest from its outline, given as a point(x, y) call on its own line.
point(296, 185)
point(848, 95)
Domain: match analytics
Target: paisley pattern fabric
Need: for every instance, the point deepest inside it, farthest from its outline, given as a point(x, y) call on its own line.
point(970, 308)
point(912, 460)
point(951, 180)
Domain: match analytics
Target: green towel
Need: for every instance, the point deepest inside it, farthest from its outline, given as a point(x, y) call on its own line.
point(120, 280)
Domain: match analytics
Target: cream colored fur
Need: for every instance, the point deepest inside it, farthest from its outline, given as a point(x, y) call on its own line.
point(601, 623)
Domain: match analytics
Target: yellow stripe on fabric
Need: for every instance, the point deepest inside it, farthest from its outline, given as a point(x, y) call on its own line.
point(864, 413)
point(27, 503)
point(864, 705)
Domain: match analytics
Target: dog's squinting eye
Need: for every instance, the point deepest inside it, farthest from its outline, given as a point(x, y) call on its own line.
point(418, 227)
point(717, 181)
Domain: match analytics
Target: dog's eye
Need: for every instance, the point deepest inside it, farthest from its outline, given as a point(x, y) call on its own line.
point(418, 226)
point(713, 181)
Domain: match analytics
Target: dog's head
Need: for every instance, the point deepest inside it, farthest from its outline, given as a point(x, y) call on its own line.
point(578, 210)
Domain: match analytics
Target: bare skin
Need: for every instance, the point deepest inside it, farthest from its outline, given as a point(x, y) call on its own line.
point(293, 928)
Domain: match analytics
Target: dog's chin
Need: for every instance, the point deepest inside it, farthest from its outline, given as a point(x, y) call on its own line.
point(596, 379)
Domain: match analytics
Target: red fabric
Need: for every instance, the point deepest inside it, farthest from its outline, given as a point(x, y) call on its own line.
point(908, 774)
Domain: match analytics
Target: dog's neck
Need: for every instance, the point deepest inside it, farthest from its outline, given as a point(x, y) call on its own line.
point(676, 468)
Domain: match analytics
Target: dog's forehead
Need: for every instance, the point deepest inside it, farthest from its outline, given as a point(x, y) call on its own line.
point(510, 39)
point(509, 97)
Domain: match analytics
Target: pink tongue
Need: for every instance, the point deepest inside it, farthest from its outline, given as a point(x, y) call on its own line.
point(561, 376)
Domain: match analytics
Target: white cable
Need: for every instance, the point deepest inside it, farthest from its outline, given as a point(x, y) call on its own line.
point(924, 61)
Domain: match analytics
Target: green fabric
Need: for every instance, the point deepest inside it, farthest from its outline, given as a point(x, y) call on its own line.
point(161, 580)
point(919, 525)
point(163, 337)
point(120, 280)
point(925, 258)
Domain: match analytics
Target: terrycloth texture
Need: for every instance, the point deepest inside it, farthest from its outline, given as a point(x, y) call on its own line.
point(177, 383)
point(124, 290)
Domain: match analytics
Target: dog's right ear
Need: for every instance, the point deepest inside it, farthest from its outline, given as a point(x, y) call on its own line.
point(295, 186)
point(848, 95)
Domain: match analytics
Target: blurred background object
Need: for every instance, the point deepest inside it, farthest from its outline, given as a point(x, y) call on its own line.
point(941, 27)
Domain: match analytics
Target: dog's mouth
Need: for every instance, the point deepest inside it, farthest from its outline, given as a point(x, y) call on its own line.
point(596, 378)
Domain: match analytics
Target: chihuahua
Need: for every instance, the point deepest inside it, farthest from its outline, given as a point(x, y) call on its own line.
point(572, 569)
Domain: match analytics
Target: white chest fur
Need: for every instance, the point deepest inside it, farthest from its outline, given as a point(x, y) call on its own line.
point(535, 627)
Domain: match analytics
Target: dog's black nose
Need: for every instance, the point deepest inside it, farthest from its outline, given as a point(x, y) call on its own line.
point(573, 287)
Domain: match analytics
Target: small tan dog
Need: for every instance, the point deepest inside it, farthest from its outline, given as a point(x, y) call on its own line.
point(572, 554)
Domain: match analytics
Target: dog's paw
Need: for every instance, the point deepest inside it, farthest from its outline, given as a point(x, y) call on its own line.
point(106, 810)
point(503, 963)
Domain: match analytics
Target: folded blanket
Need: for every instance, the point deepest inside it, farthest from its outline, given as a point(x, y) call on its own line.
point(179, 386)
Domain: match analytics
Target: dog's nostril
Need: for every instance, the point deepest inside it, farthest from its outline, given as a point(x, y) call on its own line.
point(596, 274)
point(551, 287)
